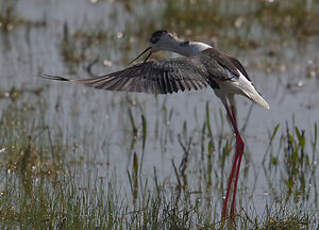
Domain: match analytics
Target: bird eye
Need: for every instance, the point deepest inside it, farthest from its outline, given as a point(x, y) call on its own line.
point(154, 40)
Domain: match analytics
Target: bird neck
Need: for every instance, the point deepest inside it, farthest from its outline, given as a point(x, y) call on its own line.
point(189, 48)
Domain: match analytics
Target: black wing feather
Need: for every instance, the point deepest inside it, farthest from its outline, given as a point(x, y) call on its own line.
point(161, 77)
point(150, 77)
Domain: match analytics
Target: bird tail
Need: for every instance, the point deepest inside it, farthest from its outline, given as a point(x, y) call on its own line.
point(249, 91)
point(255, 96)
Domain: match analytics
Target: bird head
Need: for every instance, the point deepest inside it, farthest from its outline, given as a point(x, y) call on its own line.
point(160, 40)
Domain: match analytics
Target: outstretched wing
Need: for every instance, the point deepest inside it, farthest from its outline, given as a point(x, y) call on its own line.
point(155, 77)
point(239, 66)
point(221, 66)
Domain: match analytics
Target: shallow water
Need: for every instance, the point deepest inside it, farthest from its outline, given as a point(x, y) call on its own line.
point(98, 121)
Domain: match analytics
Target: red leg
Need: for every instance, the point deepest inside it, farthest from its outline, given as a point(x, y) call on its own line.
point(236, 164)
point(239, 149)
point(230, 180)
point(240, 145)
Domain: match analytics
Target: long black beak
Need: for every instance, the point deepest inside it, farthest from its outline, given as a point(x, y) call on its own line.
point(147, 57)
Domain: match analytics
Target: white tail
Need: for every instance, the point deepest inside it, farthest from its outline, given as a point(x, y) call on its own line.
point(255, 96)
point(249, 91)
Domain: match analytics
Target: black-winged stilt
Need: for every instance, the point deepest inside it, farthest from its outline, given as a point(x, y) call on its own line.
point(202, 66)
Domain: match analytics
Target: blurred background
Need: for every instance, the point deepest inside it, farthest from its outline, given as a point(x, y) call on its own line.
point(75, 157)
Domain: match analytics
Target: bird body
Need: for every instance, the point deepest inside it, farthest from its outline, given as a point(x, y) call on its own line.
point(195, 71)
point(201, 66)
point(215, 62)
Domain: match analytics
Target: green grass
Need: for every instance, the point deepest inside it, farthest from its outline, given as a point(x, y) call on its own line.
point(48, 183)
point(39, 188)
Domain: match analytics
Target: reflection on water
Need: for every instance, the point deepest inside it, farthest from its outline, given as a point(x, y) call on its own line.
point(184, 138)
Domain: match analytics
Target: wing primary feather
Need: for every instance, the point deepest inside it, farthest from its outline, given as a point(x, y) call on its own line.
point(174, 85)
point(181, 85)
point(163, 85)
point(167, 81)
point(158, 77)
point(111, 85)
point(119, 84)
point(102, 83)
point(187, 86)
point(192, 83)
point(53, 77)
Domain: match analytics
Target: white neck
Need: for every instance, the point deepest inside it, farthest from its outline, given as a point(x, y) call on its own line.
point(189, 48)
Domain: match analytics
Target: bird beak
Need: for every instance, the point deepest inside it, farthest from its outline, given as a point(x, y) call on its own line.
point(147, 57)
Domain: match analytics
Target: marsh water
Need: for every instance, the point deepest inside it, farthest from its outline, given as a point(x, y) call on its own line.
point(64, 37)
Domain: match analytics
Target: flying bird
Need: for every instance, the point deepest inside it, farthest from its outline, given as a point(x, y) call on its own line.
point(200, 66)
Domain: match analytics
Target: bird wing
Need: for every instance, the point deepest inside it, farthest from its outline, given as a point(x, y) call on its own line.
point(221, 66)
point(239, 66)
point(155, 77)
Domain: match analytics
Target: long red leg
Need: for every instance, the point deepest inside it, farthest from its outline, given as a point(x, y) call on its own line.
point(236, 164)
point(230, 180)
point(240, 145)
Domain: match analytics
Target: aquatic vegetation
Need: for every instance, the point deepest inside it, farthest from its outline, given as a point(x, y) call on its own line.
point(39, 187)
point(75, 158)
point(9, 20)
